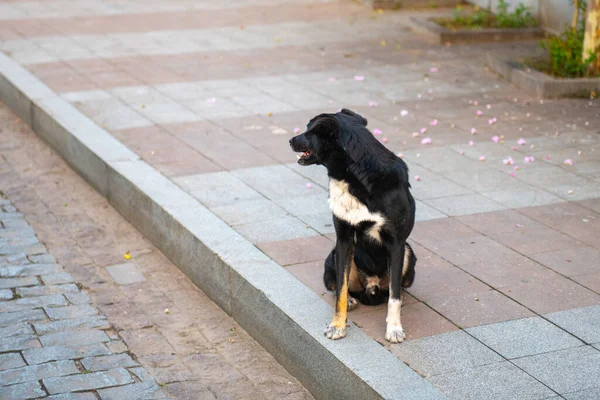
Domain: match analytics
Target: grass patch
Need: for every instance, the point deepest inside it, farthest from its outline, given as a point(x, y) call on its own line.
point(480, 18)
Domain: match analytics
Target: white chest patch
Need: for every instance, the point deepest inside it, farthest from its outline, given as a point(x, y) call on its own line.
point(348, 208)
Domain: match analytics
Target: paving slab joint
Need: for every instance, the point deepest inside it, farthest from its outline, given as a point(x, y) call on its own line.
point(259, 294)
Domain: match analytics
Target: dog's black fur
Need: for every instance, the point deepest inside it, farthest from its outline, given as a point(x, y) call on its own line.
point(378, 179)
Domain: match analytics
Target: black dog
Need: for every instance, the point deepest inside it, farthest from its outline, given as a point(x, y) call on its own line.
point(373, 215)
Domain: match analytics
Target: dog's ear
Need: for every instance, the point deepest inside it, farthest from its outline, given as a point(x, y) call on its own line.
point(324, 125)
point(357, 117)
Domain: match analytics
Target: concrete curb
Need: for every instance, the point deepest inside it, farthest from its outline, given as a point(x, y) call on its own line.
point(539, 84)
point(442, 35)
point(282, 314)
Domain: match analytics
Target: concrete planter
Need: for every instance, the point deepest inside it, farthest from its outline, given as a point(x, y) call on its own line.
point(444, 35)
point(539, 84)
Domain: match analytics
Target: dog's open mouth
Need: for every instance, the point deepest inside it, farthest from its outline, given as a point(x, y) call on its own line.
point(304, 155)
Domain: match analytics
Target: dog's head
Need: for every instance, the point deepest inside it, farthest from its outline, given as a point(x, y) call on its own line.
point(325, 137)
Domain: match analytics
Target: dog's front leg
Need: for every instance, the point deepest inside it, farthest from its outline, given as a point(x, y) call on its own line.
point(344, 249)
point(393, 331)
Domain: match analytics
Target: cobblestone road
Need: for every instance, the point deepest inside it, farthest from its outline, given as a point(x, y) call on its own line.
point(79, 321)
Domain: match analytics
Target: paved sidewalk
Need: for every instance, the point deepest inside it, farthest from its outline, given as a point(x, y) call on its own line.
point(506, 300)
point(79, 321)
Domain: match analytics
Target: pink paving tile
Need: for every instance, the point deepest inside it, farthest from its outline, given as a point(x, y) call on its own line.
point(60, 77)
point(476, 309)
point(590, 281)
point(187, 19)
point(550, 292)
point(428, 233)
point(537, 241)
point(418, 320)
point(445, 281)
point(500, 222)
point(471, 250)
point(295, 251)
point(225, 149)
point(502, 273)
point(165, 152)
point(572, 219)
point(571, 261)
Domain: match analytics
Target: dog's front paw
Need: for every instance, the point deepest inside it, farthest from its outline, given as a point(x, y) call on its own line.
point(352, 303)
point(333, 332)
point(395, 335)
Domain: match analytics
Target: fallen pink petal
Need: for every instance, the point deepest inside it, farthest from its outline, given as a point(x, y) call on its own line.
point(473, 131)
point(332, 79)
point(309, 185)
point(508, 161)
point(482, 158)
point(403, 113)
point(521, 141)
point(415, 134)
point(568, 162)
point(434, 122)
point(462, 152)
point(384, 140)
point(495, 139)
point(528, 159)
point(372, 104)
point(433, 69)
point(548, 157)
point(423, 130)
point(296, 130)
point(359, 78)
point(211, 100)
point(417, 178)
point(488, 106)
point(377, 132)
point(513, 174)
point(479, 113)
point(426, 140)
point(471, 143)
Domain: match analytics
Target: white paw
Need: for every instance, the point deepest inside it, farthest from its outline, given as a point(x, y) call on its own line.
point(335, 333)
point(395, 335)
point(352, 303)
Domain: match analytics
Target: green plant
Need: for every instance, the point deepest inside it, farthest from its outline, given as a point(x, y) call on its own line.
point(565, 50)
point(521, 17)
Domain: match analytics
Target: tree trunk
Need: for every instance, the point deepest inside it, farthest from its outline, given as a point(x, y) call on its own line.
point(575, 14)
point(591, 41)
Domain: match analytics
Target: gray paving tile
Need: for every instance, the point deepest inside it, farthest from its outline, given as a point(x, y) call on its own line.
point(124, 274)
point(217, 189)
point(276, 181)
point(321, 222)
point(581, 322)
point(464, 204)
point(523, 198)
point(524, 337)
point(434, 187)
point(589, 394)
point(425, 212)
point(315, 173)
point(285, 228)
point(245, 212)
point(565, 371)
point(308, 203)
point(499, 381)
point(448, 352)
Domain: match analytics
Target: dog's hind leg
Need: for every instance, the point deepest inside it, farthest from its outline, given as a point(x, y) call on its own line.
point(394, 332)
point(329, 273)
point(408, 266)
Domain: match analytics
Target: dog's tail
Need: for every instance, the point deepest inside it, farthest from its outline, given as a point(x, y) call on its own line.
point(408, 266)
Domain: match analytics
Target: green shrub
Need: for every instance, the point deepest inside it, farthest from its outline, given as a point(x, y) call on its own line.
point(481, 18)
point(565, 52)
